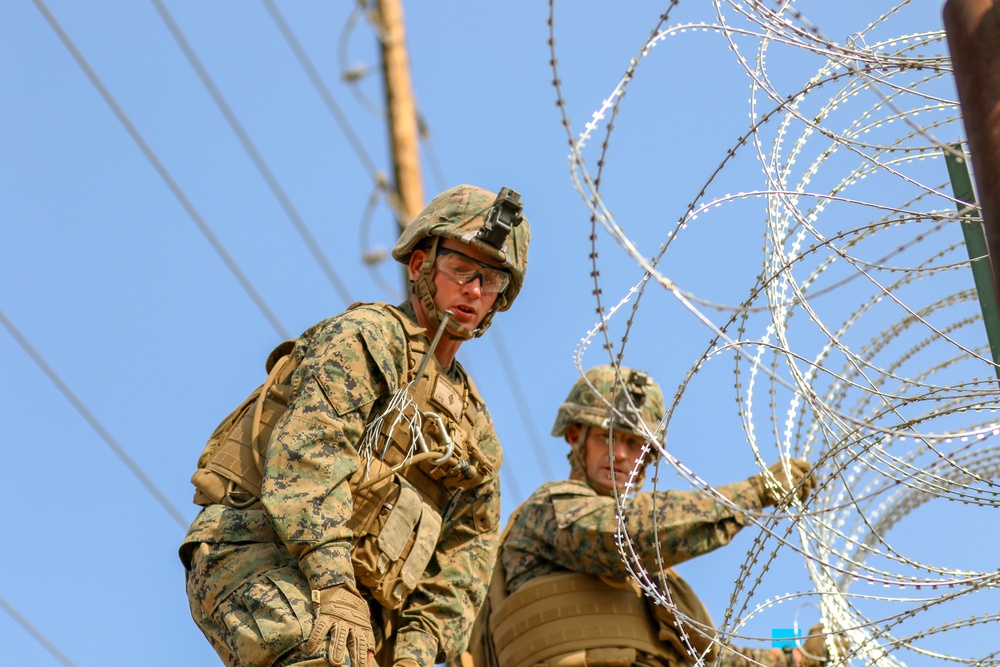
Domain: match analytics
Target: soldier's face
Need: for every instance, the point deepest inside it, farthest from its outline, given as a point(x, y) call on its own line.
point(603, 464)
point(467, 300)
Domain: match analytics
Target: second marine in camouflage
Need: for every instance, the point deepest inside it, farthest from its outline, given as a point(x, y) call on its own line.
point(351, 503)
point(561, 593)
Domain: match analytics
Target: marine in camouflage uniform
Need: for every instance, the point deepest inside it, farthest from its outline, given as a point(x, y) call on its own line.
point(561, 593)
point(351, 504)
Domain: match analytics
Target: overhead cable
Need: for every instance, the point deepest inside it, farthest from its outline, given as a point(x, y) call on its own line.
point(89, 417)
point(36, 633)
point(255, 156)
point(216, 244)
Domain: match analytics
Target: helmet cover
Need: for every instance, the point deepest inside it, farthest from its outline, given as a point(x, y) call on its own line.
point(600, 399)
point(487, 221)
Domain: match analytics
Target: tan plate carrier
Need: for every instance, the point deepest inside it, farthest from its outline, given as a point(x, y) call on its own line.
point(398, 507)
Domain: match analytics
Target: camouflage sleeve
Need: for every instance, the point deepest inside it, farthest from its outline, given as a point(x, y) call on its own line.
point(566, 526)
point(438, 618)
point(347, 362)
point(686, 524)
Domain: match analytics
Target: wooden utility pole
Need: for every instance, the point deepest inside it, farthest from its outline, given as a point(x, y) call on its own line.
point(408, 186)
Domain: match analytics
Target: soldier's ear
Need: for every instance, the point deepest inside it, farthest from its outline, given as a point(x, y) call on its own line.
point(572, 433)
point(415, 261)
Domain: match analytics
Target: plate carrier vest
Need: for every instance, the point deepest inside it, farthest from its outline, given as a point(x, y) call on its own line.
point(571, 619)
point(401, 495)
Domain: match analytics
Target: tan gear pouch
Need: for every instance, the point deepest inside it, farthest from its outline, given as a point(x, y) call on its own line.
point(594, 657)
point(466, 468)
point(688, 603)
point(559, 616)
point(231, 466)
point(396, 532)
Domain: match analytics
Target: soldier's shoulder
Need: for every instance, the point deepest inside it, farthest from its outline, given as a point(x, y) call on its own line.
point(371, 320)
point(351, 343)
point(557, 505)
point(566, 487)
point(559, 489)
point(375, 315)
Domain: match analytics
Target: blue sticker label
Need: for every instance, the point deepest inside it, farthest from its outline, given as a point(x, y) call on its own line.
point(781, 637)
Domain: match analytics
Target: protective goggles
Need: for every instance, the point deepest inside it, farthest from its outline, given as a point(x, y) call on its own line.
point(464, 269)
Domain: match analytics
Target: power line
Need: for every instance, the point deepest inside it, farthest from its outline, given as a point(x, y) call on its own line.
point(255, 156)
point(216, 244)
point(522, 405)
point(324, 91)
point(118, 450)
point(378, 178)
point(374, 257)
point(36, 633)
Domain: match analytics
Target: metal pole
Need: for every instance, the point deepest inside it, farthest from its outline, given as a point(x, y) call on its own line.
point(975, 243)
point(973, 30)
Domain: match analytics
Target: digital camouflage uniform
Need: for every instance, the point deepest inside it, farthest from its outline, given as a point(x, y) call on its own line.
point(569, 527)
point(251, 570)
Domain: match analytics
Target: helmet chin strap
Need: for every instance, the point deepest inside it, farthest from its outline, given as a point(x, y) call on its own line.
point(424, 289)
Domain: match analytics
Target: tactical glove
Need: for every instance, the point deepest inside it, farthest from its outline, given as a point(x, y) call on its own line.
point(799, 478)
point(814, 653)
point(406, 662)
point(343, 614)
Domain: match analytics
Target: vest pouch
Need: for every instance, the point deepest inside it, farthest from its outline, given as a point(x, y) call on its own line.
point(456, 467)
point(393, 544)
point(240, 460)
point(466, 469)
point(231, 467)
point(209, 487)
point(594, 657)
point(688, 603)
point(435, 481)
point(443, 407)
point(569, 616)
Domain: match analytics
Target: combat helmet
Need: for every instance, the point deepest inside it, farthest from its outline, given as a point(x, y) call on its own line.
point(600, 399)
point(490, 222)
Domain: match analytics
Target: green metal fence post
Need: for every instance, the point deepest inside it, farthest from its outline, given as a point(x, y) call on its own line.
point(975, 242)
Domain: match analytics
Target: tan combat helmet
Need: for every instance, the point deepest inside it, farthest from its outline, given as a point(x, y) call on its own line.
point(600, 399)
point(491, 222)
point(591, 399)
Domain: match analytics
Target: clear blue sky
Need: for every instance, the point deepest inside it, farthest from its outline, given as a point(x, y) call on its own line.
point(109, 278)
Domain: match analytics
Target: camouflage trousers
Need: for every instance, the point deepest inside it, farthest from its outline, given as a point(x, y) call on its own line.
point(252, 603)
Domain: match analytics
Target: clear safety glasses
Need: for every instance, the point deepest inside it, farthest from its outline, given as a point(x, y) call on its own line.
point(463, 269)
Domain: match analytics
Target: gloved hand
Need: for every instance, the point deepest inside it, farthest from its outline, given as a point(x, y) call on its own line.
point(407, 662)
point(799, 470)
point(343, 614)
point(814, 653)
